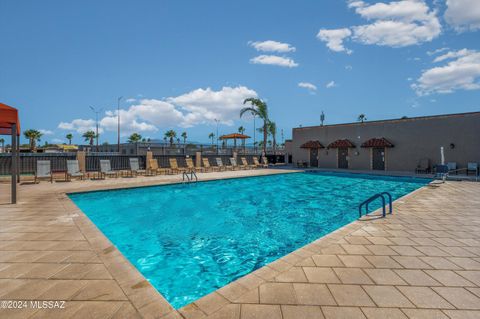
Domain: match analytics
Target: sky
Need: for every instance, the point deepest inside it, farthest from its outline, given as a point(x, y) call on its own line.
point(182, 65)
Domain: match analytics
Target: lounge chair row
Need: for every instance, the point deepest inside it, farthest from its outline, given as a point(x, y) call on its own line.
point(44, 170)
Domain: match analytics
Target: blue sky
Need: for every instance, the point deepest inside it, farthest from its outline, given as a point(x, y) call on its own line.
point(181, 64)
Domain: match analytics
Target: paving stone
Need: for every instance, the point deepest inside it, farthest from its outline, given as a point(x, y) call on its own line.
point(350, 295)
point(387, 296)
point(424, 297)
point(343, 313)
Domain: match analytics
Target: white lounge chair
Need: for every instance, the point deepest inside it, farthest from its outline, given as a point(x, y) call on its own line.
point(43, 171)
point(73, 170)
point(106, 169)
point(135, 167)
point(220, 164)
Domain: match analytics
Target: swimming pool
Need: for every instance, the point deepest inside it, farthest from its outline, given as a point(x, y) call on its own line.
point(189, 240)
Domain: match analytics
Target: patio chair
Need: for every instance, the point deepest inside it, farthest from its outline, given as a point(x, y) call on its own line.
point(441, 171)
point(472, 167)
point(245, 163)
point(265, 162)
point(452, 166)
point(207, 167)
point(221, 166)
point(258, 164)
point(73, 170)
point(423, 166)
point(233, 162)
point(43, 171)
point(135, 167)
point(154, 169)
point(174, 166)
point(191, 166)
point(106, 169)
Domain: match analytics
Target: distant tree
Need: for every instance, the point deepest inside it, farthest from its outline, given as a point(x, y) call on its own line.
point(69, 137)
point(171, 135)
point(33, 137)
point(2, 142)
point(404, 117)
point(212, 137)
point(258, 108)
point(134, 138)
point(184, 136)
point(89, 136)
point(361, 118)
point(272, 129)
point(105, 143)
point(241, 130)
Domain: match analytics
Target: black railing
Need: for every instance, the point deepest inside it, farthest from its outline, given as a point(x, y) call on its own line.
point(28, 162)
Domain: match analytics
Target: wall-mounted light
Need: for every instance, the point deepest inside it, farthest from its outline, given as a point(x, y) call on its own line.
point(452, 146)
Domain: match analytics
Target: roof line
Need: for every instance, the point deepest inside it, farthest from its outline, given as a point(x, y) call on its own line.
point(426, 117)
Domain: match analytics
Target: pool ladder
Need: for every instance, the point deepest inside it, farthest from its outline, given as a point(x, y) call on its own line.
point(189, 178)
point(381, 195)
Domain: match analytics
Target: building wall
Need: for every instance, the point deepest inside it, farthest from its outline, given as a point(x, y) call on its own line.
point(413, 139)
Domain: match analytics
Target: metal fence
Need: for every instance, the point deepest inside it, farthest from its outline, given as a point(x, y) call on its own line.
point(28, 161)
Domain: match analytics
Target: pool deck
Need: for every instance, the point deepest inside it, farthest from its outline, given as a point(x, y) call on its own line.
point(421, 262)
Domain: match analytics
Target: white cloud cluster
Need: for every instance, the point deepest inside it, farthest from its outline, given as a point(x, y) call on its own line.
point(461, 71)
point(463, 15)
point(272, 46)
point(312, 88)
point(46, 132)
point(331, 84)
point(200, 106)
point(334, 39)
point(395, 24)
point(274, 60)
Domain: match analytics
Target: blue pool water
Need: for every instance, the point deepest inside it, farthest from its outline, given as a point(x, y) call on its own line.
point(189, 240)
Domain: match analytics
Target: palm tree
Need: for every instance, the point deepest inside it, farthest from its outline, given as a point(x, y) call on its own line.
point(361, 118)
point(33, 137)
point(2, 141)
point(89, 136)
point(241, 130)
point(184, 136)
point(69, 137)
point(171, 134)
point(211, 136)
point(272, 129)
point(134, 138)
point(258, 108)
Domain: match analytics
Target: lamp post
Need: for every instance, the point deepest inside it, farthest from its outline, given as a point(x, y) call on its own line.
point(216, 121)
point(118, 123)
point(254, 132)
point(96, 122)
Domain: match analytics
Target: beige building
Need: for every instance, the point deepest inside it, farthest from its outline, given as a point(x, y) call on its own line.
point(403, 144)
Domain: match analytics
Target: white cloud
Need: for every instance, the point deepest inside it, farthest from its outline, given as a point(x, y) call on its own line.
point(461, 72)
point(200, 106)
point(57, 141)
point(307, 85)
point(463, 15)
point(272, 46)
point(331, 84)
point(348, 67)
point(334, 39)
point(274, 60)
point(79, 125)
point(46, 132)
point(130, 100)
point(395, 24)
point(434, 52)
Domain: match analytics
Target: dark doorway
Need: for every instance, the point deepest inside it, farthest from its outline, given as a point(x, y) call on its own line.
point(343, 158)
point(314, 157)
point(378, 158)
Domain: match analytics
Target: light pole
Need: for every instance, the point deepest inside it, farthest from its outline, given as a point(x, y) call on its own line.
point(216, 121)
point(118, 123)
point(254, 133)
point(96, 122)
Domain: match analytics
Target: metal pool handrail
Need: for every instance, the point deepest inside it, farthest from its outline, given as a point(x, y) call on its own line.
point(190, 178)
point(381, 195)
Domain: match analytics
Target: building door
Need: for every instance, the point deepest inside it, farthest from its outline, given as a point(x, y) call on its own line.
point(314, 157)
point(378, 158)
point(343, 158)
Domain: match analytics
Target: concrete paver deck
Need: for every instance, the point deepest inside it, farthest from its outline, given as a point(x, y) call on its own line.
point(421, 262)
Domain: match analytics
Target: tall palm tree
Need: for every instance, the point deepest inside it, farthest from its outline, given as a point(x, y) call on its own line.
point(184, 136)
point(89, 136)
point(241, 130)
point(211, 136)
point(272, 129)
point(33, 137)
point(361, 118)
point(134, 138)
point(171, 134)
point(258, 108)
point(2, 141)
point(69, 137)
